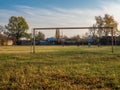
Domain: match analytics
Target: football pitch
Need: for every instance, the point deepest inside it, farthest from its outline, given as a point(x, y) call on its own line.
point(59, 68)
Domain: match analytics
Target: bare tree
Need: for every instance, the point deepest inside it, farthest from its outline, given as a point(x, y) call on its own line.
point(2, 29)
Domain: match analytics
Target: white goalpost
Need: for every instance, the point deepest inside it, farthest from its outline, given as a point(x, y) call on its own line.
point(67, 28)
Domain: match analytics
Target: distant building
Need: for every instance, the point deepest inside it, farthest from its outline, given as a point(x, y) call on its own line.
point(51, 41)
point(48, 41)
point(25, 42)
point(43, 42)
point(70, 41)
point(5, 41)
point(9, 42)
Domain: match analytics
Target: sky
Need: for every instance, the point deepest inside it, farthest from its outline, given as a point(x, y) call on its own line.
point(59, 13)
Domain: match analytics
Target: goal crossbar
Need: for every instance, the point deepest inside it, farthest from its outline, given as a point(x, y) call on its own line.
point(51, 28)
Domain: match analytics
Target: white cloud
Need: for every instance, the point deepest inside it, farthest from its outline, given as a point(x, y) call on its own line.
point(112, 8)
point(57, 17)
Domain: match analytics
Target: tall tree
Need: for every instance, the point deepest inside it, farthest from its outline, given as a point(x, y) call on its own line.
point(106, 21)
point(17, 28)
point(57, 35)
point(109, 21)
point(93, 32)
point(99, 23)
point(40, 36)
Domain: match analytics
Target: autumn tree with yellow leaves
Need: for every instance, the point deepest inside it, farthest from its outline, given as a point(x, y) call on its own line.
point(106, 21)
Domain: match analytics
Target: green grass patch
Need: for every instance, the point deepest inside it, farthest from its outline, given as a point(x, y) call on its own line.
point(59, 68)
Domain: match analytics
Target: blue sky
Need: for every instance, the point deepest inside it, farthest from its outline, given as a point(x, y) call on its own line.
point(8, 4)
point(57, 13)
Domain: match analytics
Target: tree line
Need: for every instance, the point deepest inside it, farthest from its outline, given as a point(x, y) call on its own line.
point(101, 35)
point(17, 28)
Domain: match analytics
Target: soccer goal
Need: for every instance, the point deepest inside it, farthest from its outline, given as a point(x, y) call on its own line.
point(69, 28)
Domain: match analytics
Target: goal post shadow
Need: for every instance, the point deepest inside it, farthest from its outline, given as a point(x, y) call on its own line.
point(67, 28)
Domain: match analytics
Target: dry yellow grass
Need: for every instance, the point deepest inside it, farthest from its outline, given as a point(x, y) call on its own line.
point(59, 68)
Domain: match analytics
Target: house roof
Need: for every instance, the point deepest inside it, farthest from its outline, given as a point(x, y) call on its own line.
point(51, 39)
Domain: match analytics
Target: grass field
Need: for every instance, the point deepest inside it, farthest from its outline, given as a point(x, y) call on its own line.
point(59, 68)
